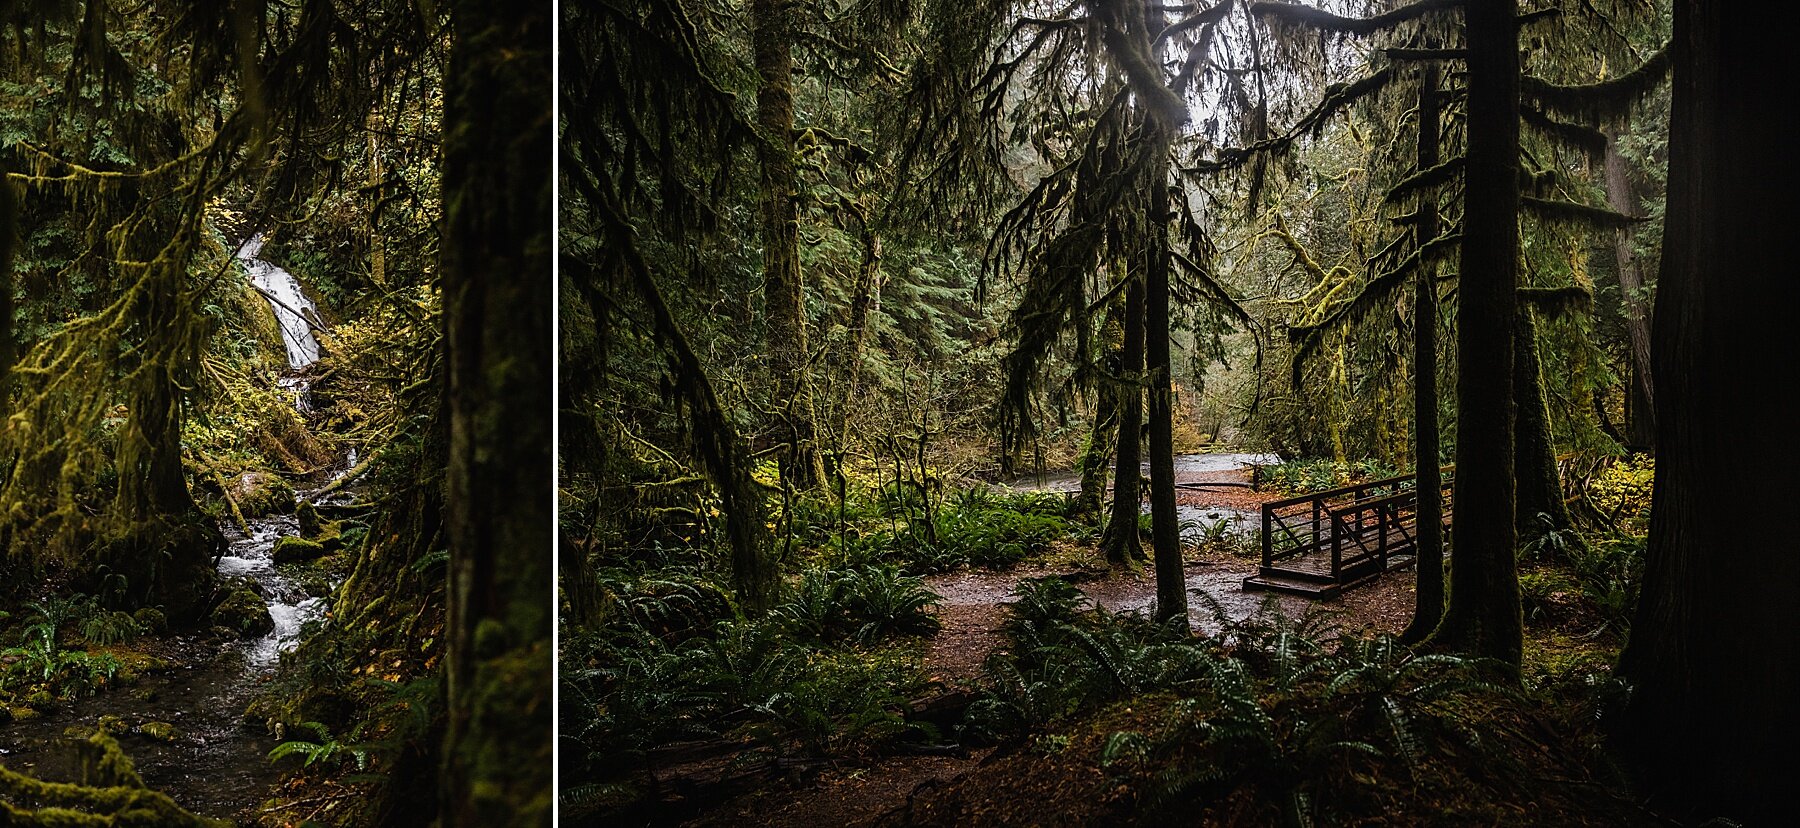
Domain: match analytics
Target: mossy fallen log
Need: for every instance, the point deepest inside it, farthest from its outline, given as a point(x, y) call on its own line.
point(111, 794)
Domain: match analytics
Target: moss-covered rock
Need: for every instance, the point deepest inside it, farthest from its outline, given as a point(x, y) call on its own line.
point(331, 536)
point(152, 620)
point(160, 731)
point(293, 549)
point(260, 493)
point(309, 519)
point(244, 613)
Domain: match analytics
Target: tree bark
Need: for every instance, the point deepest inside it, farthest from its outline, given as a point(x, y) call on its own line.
point(9, 234)
point(784, 300)
point(497, 295)
point(1540, 506)
point(1483, 617)
point(1428, 606)
point(1714, 654)
point(1165, 531)
point(1096, 456)
point(863, 302)
point(1640, 421)
point(1120, 542)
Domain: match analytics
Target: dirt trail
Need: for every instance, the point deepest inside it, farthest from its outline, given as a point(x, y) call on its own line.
point(972, 608)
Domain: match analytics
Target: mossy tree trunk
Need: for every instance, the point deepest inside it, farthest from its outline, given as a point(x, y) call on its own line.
point(9, 234)
point(865, 300)
point(1428, 606)
point(1714, 653)
point(1120, 542)
point(495, 270)
point(784, 297)
point(1483, 616)
point(1096, 456)
point(1540, 506)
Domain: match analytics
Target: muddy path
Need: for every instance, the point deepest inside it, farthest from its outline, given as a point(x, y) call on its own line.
point(973, 605)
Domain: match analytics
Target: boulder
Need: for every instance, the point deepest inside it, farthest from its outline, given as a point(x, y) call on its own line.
point(293, 549)
point(309, 519)
point(260, 493)
point(243, 613)
point(152, 620)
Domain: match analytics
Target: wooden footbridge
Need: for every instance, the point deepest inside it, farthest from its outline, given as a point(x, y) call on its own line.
point(1323, 543)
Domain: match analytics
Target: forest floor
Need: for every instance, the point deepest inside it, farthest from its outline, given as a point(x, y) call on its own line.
point(863, 791)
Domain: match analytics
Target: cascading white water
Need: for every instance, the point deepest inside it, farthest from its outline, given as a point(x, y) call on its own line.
point(292, 308)
point(250, 554)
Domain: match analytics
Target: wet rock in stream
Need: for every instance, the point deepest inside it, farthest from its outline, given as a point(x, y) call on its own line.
point(294, 549)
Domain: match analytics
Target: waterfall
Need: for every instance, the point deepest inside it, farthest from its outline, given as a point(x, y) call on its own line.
point(295, 313)
point(250, 554)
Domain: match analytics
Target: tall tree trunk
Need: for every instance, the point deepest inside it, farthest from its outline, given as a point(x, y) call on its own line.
point(1540, 506)
point(1165, 530)
point(1164, 112)
point(9, 234)
point(1428, 607)
point(863, 302)
point(497, 295)
point(784, 300)
point(1120, 542)
point(1483, 616)
point(1714, 654)
point(1640, 422)
point(1097, 455)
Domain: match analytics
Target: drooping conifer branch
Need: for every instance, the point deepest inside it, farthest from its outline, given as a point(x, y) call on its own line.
point(1375, 294)
point(1554, 210)
point(1193, 21)
point(1425, 54)
point(1588, 140)
point(1599, 101)
point(1337, 98)
point(1424, 180)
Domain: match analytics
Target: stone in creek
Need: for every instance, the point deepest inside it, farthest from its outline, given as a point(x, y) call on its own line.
point(294, 549)
point(309, 519)
point(160, 731)
point(260, 493)
point(244, 613)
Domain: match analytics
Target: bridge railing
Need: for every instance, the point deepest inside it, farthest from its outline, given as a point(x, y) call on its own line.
point(1342, 534)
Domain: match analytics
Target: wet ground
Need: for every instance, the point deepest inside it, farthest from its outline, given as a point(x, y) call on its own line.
point(973, 605)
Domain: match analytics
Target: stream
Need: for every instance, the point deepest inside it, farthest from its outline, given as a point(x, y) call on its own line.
point(1194, 520)
point(218, 765)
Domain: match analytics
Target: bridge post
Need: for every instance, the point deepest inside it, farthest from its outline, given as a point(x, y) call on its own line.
point(1268, 538)
point(1337, 548)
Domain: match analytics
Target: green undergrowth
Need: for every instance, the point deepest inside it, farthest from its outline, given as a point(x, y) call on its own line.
point(1316, 475)
point(1274, 720)
point(974, 527)
point(667, 659)
point(63, 648)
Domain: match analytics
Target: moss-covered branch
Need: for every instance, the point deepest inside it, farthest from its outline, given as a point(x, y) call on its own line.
point(1296, 14)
